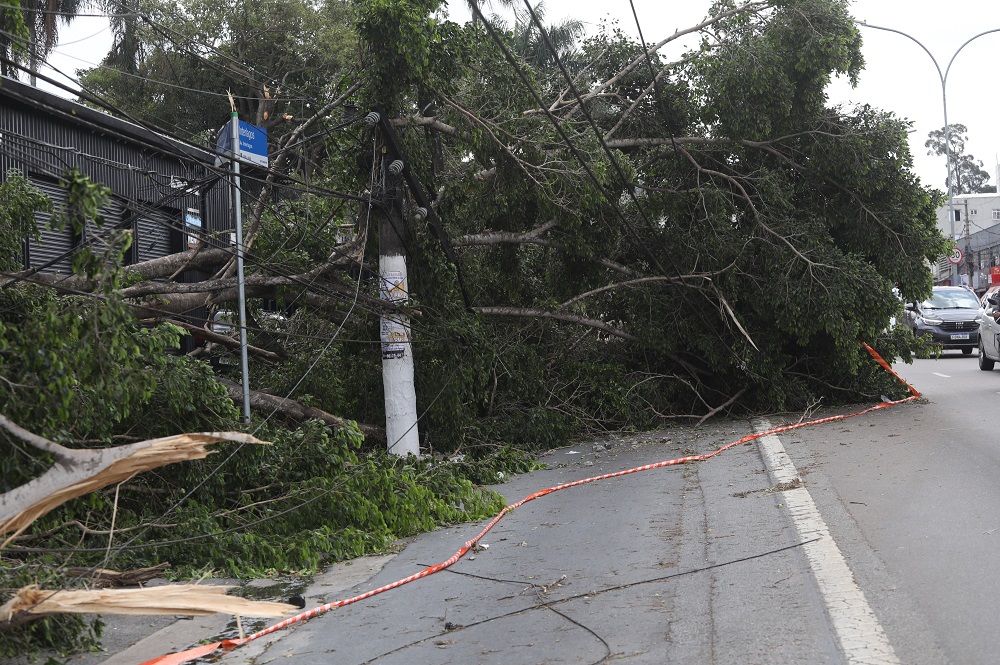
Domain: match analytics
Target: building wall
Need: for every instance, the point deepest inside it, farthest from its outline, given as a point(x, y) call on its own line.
point(153, 179)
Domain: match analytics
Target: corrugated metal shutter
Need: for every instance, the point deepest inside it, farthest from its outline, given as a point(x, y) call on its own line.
point(114, 216)
point(51, 252)
point(154, 231)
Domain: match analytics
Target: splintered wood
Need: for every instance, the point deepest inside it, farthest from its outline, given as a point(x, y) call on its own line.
point(178, 599)
point(79, 472)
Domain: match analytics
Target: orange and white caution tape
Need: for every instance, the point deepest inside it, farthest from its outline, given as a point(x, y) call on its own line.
point(204, 650)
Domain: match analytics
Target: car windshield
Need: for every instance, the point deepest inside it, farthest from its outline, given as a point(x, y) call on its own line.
point(959, 299)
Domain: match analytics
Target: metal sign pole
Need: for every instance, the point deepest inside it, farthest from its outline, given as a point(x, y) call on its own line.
point(242, 305)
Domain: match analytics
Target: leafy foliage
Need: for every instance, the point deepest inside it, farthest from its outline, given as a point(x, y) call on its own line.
point(19, 200)
point(14, 38)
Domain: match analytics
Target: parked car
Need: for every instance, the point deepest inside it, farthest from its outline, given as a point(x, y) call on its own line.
point(989, 333)
point(986, 294)
point(950, 318)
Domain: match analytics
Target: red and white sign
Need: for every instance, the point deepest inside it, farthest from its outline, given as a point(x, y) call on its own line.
point(956, 256)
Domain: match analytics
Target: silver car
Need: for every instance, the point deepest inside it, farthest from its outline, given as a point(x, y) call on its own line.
point(949, 319)
point(989, 333)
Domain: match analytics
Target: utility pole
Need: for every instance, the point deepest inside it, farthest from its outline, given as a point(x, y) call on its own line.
point(397, 350)
point(968, 247)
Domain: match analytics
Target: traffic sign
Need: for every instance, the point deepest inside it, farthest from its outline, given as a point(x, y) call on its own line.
point(956, 256)
point(253, 143)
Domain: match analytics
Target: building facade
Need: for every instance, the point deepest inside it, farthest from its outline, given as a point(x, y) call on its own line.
point(167, 192)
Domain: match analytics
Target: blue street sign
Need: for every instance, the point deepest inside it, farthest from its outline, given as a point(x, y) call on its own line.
point(253, 143)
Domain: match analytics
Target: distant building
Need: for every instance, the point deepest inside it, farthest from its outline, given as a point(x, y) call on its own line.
point(973, 221)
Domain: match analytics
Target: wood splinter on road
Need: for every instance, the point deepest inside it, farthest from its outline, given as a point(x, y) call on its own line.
point(186, 599)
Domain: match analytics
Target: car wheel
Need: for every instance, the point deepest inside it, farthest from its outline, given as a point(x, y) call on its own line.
point(985, 363)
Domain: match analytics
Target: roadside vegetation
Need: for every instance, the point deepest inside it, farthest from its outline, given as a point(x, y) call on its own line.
point(620, 240)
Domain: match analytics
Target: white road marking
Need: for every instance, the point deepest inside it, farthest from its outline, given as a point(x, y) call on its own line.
point(944, 376)
point(862, 640)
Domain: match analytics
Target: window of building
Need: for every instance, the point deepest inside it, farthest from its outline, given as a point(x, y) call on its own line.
point(973, 212)
point(996, 214)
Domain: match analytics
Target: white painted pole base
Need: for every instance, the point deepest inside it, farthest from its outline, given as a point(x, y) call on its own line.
point(397, 364)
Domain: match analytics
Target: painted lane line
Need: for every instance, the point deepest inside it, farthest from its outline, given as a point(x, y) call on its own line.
point(943, 376)
point(861, 638)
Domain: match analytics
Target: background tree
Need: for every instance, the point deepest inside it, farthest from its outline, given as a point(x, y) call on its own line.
point(43, 18)
point(965, 174)
point(530, 44)
point(14, 38)
point(173, 68)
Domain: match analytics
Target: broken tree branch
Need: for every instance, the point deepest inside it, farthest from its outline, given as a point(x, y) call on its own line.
point(79, 472)
point(569, 318)
point(187, 599)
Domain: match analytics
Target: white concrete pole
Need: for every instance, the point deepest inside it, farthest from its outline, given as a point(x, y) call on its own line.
point(397, 351)
point(397, 364)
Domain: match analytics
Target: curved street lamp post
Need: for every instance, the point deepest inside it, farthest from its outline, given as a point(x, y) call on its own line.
point(952, 170)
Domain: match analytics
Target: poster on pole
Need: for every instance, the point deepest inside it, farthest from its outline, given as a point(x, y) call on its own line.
point(395, 335)
point(393, 286)
point(394, 339)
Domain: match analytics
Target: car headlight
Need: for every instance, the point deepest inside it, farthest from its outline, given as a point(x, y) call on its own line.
point(930, 321)
point(979, 318)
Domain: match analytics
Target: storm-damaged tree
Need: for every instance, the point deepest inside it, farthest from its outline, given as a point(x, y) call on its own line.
point(676, 238)
point(616, 243)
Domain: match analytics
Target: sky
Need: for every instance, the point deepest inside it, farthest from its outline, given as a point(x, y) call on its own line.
point(899, 75)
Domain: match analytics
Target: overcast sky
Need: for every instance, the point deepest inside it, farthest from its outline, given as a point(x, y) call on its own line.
point(899, 76)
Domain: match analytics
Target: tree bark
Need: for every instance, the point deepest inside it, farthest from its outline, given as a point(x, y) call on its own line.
point(299, 412)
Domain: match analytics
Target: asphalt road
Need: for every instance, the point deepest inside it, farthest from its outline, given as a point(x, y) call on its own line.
point(911, 495)
point(686, 564)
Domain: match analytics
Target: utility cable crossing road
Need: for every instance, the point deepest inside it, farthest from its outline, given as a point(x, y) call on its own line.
point(819, 545)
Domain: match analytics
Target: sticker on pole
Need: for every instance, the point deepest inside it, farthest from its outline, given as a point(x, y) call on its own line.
point(956, 256)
